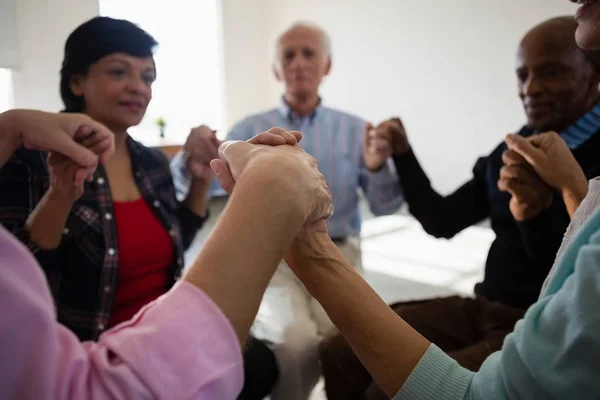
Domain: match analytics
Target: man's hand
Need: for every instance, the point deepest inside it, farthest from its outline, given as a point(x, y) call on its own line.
point(530, 195)
point(75, 136)
point(398, 136)
point(65, 184)
point(290, 167)
point(377, 147)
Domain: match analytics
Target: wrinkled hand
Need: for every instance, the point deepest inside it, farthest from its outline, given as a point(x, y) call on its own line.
point(201, 147)
point(530, 195)
point(397, 134)
point(294, 170)
point(76, 136)
point(377, 147)
point(66, 182)
point(551, 159)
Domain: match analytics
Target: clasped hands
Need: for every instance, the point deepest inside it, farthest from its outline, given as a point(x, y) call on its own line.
point(77, 144)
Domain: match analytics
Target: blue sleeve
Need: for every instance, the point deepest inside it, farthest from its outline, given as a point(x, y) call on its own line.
point(436, 376)
point(553, 351)
point(381, 188)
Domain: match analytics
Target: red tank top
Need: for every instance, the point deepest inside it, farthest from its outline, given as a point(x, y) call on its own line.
point(145, 255)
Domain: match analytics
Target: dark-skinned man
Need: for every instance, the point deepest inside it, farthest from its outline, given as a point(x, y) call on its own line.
point(558, 85)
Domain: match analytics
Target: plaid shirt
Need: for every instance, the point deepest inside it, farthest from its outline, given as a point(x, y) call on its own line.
point(82, 271)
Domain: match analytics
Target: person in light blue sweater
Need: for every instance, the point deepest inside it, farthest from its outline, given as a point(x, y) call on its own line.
point(554, 351)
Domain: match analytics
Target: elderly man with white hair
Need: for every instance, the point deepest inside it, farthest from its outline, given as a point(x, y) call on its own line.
point(350, 156)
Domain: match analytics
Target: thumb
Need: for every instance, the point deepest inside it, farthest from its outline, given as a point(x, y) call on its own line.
point(236, 154)
point(234, 150)
point(223, 174)
point(524, 148)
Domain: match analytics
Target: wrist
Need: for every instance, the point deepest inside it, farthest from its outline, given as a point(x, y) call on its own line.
point(277, 187)
point(200, 185)
point(59, 200)
point(574, 194)
point(401, 149)
point(313, 254)
point(9, 134)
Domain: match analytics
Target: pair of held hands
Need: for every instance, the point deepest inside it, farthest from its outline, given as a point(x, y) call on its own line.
point(275, 154)
point(532, 167)
point(202, 144)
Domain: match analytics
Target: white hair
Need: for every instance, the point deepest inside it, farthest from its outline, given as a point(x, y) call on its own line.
point(325, 39)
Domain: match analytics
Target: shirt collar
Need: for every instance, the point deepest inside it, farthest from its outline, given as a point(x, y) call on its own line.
point(582, 130)
point(287, 112)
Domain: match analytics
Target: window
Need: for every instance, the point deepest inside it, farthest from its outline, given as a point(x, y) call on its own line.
point(6, 89)
point(188, 91)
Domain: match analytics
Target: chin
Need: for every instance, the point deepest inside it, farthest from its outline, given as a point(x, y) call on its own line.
point(541, 125)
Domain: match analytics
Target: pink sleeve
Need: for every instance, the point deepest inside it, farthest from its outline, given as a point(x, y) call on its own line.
point(179, 347)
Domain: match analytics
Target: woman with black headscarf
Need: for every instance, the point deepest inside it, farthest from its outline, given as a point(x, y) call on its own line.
point(114, 243)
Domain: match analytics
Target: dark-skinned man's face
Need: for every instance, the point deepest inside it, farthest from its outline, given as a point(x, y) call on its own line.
point(556, 82)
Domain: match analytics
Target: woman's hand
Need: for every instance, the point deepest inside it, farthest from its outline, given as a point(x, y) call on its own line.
point(75, 136)
point(66, 178)
point(290, 167)
point(551, 159)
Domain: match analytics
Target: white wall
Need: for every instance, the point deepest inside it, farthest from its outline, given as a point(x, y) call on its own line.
point(9, 57)
point(446, 67)
point(247, 73)
point(42, 28)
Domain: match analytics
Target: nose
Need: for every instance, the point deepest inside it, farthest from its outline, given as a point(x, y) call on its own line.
point(532, 87)
point(137, 85)
point(298, 62)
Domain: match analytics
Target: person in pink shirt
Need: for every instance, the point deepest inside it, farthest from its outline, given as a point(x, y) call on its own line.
point(187, 343)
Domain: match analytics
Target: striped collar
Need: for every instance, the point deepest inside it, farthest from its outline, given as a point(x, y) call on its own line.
point(287, 112)
point(582, 130)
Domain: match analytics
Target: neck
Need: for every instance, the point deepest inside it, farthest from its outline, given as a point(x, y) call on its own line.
point(120, 143)
point(302, 105)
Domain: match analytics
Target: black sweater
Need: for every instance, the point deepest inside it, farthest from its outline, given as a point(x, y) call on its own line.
point(522, 253)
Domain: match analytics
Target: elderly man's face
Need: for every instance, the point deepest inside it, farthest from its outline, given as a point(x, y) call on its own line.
point(302, 61)
point(557, 84)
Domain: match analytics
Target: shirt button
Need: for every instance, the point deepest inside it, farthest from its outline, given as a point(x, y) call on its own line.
point(108, 216)
point(66, 231)
point(172, 232)
point(100, 181)
point(156, 203)
point(138, 174)
point(106, 289)
point(100, 326)
point(111, 252)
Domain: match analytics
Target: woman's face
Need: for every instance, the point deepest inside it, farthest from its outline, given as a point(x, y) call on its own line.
point(117, 89)
point(588, 21)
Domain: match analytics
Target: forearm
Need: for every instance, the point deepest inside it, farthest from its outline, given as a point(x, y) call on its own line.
point(9, 138)
point(574, 195)
point(239, 258)
point(440, 216)
point(386, 345)
point(197, 199)
point(46, 222)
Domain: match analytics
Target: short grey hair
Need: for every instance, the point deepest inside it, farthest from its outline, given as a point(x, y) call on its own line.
point(325, 39)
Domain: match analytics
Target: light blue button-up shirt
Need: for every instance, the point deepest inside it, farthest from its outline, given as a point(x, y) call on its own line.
point(335, 139)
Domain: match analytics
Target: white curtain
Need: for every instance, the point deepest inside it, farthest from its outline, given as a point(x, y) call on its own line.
point(189, 88)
